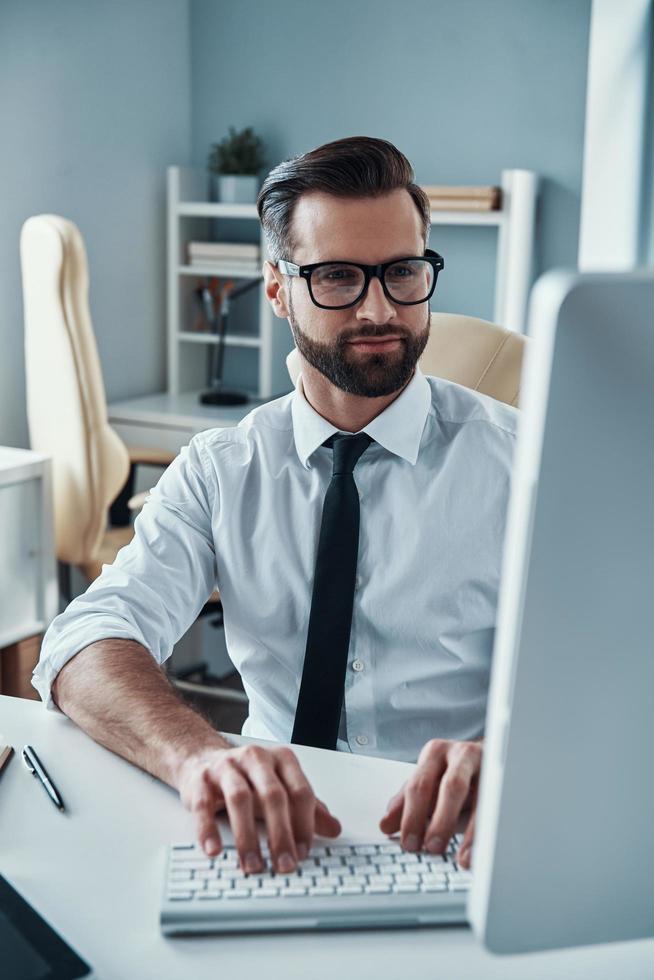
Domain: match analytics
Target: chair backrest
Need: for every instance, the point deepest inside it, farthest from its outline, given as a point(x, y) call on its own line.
point(66, 402)
point(470, 351)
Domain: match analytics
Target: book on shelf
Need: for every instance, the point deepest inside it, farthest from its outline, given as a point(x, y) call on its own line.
point(460, 198)
point(461, 204)
point(224, 251)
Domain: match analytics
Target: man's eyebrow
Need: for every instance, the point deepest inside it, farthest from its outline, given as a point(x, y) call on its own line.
point(392, 258)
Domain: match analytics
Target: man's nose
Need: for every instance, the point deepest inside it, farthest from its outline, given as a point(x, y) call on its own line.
point(375, 305)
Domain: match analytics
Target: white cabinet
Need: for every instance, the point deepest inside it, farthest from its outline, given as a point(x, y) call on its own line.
point(28, 581)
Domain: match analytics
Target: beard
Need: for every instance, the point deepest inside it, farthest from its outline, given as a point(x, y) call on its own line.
point(369, 375)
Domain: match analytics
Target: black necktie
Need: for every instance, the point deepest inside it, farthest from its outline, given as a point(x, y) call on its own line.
point(325, 660)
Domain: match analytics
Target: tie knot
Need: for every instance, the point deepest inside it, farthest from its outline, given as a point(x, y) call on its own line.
point(347, 451)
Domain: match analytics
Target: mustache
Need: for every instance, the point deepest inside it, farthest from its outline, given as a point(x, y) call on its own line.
point(364, 333)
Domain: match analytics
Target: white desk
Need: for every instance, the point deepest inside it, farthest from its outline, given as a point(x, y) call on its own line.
point(95, 873)
point(165, 421)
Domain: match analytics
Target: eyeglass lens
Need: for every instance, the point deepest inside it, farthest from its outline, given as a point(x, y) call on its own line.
point(339, 283)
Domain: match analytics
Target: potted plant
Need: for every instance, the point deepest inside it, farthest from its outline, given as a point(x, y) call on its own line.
point(234, 165)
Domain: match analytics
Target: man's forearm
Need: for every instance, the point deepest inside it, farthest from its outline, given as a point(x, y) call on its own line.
point(118, 694)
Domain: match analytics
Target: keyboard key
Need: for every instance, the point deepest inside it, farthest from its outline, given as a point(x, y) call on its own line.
point(406, 888)
point(196, 885)
point(180, 875)
point(384, 859)
point(331, 862)
point(380, 880)
point(434, 879)
point(435, 887)
point(340, 850)
point(231, 873)
point(322, 890)
point(378, 889)
point(350, 890)
point(364, 849)
point(209, 894)
point(407, 879)
point(357, 861)
point(237, 893)
point(390, 848)
point(357, 879)
point(180, 896)
point(266, 893)
point(436, 861)
point(293, 892)
point(191, 864)
point(408, 858)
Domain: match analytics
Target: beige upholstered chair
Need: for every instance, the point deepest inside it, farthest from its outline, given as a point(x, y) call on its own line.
point(67, 411)
point(472, 352)
point(66, 404)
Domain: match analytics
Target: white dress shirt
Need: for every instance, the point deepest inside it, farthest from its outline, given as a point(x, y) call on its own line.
point(240, 509)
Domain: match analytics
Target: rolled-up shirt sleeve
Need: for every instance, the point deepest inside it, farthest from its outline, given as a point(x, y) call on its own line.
point(158, 583)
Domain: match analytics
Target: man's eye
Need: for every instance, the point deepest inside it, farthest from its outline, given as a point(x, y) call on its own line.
point(340, 275)
point(401, 272)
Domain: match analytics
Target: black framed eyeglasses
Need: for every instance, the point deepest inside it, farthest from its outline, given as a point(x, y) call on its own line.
point(337, 285)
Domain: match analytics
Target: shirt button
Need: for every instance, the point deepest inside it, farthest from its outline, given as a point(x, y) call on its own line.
point(357, 665)
point(361, 740)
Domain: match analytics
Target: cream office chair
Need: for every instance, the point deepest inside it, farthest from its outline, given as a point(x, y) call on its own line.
point(66, 404)
point(470, 351)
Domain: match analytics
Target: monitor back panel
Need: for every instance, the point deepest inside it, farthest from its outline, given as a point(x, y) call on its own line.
point(564, 851)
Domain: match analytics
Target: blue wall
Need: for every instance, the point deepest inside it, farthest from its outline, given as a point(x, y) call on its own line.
point(97, 98)
point(465, 89)
point(94, 104)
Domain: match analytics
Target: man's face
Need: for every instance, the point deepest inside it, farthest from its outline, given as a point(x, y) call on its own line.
point(367, 230)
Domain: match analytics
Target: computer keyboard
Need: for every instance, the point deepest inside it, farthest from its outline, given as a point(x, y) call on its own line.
point(336, 885)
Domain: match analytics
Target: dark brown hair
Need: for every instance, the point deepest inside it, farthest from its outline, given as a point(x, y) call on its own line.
point(358, 166)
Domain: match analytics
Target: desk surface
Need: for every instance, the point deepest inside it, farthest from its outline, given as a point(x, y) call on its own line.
point(95, 873)
point(183, 410)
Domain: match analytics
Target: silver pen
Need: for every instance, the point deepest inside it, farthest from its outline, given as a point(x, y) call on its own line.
point(35, 766)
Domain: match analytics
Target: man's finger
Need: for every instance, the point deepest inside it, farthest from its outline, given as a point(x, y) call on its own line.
point(302, 802)
point(258, 765)
point(327, 825)
point(452, 794)
point(419, 797)
point(390, 822)
point(465, 851)
point(202, 804)
point(239, 803)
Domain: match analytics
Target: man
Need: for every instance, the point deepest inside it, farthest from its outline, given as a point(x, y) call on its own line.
point(392, 663)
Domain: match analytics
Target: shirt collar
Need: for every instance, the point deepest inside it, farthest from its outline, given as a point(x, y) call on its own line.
point(398, 428)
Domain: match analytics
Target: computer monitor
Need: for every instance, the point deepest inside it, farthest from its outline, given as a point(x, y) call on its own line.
point(563, 853)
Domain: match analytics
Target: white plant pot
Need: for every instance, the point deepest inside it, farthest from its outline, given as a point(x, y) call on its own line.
point(237, 189)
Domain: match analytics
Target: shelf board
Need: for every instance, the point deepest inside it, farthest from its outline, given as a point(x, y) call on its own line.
point(205, 209)
point(231, 340)
point(202, 209)
point(221, 270)
point(467, 217)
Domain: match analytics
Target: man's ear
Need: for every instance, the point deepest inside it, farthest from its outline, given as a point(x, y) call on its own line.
point(276, 290)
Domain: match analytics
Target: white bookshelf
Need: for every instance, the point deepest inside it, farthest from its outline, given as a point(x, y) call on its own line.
point(191, 216)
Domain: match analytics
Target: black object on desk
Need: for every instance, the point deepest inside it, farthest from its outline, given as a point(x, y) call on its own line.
point(217, 395)
point(31, 949)
point(36, 767)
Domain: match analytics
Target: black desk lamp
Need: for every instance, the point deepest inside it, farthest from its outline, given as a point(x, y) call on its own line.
point(217, 395)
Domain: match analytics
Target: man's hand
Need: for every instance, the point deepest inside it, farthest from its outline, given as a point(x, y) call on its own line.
point(428, 806)
point(250, 782)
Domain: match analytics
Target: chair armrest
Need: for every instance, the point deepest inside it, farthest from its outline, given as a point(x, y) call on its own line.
point(150, 457)
point(136, 502)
